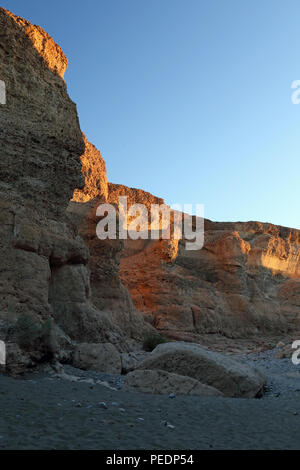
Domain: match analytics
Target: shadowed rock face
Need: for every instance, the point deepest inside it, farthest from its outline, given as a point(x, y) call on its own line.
point(41, 144)
point(41, 141)
point(44, 271)
point(107, 292)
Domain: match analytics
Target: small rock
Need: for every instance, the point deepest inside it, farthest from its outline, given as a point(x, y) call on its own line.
point(103, 405)
point(169, 425)
point(172, 395)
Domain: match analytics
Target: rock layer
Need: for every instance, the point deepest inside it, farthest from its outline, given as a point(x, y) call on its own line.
point(45, 274)
point(244, 281)
point(94, 172)
point(41, 144)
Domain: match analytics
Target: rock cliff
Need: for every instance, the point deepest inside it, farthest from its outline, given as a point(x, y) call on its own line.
point(245, 281)
point(44, 270)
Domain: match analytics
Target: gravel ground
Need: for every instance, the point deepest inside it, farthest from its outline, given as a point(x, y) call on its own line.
point(88, 410)
point(283, 376)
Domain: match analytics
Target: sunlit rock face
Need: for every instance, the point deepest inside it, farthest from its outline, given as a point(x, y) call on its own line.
point(244, 281)
point(94, 172)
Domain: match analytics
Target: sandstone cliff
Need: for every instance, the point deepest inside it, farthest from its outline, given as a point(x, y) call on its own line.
point(44, 269)
point(245, 281)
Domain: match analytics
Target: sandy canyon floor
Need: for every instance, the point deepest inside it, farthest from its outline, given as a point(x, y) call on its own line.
point(89, 410)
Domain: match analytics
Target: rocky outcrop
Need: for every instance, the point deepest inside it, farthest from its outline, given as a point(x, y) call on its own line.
point(41, 144)
point(230, 377)
point(245, 281)
point(134, 195)
point(45, 274)
point(107, 291)
point(39, 129)
point(94, 172)
point(164, 383)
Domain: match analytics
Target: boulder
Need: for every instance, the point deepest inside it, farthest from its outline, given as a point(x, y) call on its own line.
point(232, 378)
point(162, 382)
point(131, 360)
point(102, 357)
point(17, 361)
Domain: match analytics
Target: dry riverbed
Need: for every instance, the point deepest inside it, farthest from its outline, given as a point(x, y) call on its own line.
point(89, 410)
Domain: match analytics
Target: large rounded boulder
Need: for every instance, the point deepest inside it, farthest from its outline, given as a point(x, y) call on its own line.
point(232, 378)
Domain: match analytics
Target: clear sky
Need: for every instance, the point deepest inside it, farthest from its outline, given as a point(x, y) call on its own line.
point(188, 99)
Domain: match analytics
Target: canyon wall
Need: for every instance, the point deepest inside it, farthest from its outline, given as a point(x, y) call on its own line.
point(244, 281)
point(44, 262)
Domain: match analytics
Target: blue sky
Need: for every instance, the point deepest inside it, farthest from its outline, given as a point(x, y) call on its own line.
point(188, 99)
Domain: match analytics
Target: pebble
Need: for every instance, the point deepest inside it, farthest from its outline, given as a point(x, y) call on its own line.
point(172, 395)
point(168, 425)
point(103, 405)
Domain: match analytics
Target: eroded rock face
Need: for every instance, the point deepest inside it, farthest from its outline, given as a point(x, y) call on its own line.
point(244, 281)
point(163, 383)
point(44, 263)
point(39, 129)
point(230, 377)
point(41, 144)
point(94, 172)
point(107, 291)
